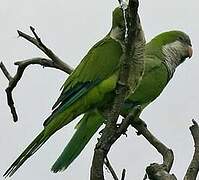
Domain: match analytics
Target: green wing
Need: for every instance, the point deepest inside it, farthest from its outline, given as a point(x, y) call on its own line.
point(85, 87)
point(99, 63)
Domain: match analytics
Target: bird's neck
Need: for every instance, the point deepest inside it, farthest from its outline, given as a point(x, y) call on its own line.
point(117, 34)
point(172, 57)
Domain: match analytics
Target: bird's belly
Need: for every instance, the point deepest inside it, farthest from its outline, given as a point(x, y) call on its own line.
point(150, 87)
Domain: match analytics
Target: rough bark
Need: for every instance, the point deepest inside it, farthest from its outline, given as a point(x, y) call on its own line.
point(129, 63)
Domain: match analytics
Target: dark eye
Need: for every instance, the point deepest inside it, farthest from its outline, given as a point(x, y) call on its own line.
point(181, 38)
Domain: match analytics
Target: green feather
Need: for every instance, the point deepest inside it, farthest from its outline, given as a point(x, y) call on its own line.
point(86, 88)
point(100, 62)
point(155, 78)
point(88, 125)
point(36, 143)
point(90, 87)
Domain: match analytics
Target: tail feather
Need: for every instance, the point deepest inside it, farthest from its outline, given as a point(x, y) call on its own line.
point(86, 128)
point(30, 150)
point(57, 120)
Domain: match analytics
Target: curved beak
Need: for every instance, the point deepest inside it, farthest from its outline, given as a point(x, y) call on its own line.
point(190, 52)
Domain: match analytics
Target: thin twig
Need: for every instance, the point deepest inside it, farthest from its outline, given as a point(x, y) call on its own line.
point(193, 168)
point(134, 114)
point(119, 1)
point(108, 165)
point(53, 62)
point(40, 61)
point(37, 42)
point(5, 71)
point(123, 174)
point(145, 176)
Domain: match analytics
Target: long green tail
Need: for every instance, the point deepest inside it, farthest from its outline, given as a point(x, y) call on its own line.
point(86, 128)
point(57, 120)
point(30, 150)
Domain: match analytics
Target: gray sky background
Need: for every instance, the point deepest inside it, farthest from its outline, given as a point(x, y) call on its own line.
point(70, 28)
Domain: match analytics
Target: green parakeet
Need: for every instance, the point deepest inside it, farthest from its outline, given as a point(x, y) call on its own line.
point(162, 55)
point(89, 88)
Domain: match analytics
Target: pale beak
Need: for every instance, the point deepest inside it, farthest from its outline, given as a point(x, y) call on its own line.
point(190, 51)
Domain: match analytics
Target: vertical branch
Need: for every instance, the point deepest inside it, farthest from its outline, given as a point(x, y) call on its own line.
point(131, 69)
point(123, 174)
point(193, 168)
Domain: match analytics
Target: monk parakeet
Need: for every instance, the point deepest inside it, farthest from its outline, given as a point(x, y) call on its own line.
point(162, 55)
point(89, 88)
point(91, 85)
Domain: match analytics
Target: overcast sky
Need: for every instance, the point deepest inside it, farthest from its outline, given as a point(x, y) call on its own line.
point(70, 28)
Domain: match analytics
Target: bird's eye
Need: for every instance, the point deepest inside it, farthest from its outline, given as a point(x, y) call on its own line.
point(181, 38)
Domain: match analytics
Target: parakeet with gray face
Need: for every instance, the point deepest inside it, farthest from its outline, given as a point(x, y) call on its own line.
point(89, 88)
point(163, 55)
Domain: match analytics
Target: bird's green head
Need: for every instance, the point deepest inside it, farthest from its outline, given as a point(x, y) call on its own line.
point(173, 43)
point(118, 24)
point(118, 18)
point(172, 47)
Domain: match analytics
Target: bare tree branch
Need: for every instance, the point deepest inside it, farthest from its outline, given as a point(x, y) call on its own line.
point(108, 165)
point(40, 61)
point(131, 66)
point(22, 65)
point(156, 171)
point(37, 41)
point(53, 62)
point(103, 145)
point(5, 71)
point(123, 174)
point(193, 168)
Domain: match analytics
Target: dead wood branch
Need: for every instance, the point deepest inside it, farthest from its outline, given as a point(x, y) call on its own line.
point(156, 171)
point(53, 62)
point(110, 168)
point(129, 63)
point(36, 40)
point(193, 168)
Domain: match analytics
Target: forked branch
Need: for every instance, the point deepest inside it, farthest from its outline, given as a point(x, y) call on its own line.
point(53, 62)
point(161, 171)
point(36, 40)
